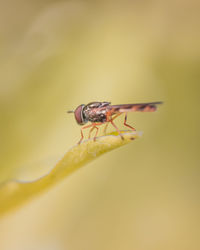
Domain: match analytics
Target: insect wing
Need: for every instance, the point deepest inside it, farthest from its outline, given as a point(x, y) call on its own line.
point(140, 107)
point(97, 104)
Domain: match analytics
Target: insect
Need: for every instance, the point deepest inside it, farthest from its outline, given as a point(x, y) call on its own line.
point(99, 113)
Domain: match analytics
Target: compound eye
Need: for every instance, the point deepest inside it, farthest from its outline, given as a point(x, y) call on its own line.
point(78, 113)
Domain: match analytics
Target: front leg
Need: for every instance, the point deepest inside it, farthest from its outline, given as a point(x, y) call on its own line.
point(88, 126)
point(93, 125)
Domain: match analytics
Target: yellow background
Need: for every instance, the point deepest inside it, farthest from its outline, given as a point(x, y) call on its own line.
point(56, 55)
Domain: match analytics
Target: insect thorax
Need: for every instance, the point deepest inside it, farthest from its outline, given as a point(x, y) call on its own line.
point(95, 114)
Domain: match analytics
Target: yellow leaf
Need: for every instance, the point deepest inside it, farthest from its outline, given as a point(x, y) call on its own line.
point(14, 193)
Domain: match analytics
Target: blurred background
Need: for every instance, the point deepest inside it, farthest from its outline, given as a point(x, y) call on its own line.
point(55, 55)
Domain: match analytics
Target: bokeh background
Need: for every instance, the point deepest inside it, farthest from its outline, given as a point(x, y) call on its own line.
point(56, 55)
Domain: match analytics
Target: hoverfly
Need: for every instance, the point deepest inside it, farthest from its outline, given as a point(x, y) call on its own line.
point(99, 113)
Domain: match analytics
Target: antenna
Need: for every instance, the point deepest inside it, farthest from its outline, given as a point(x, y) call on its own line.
point(70, 111)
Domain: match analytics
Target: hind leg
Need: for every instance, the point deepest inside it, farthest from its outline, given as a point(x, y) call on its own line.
point(127, 125)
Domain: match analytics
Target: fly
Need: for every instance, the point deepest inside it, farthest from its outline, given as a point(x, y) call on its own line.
point(99, 113)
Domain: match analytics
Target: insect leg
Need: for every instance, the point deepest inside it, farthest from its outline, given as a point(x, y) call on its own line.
point(125, 119)
point(81, 137)
point(94, 126)
point(107, 122)
point(117, 129)
point(91, 131)
point(88, 126)
point(96, 133)
point(106, 126)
